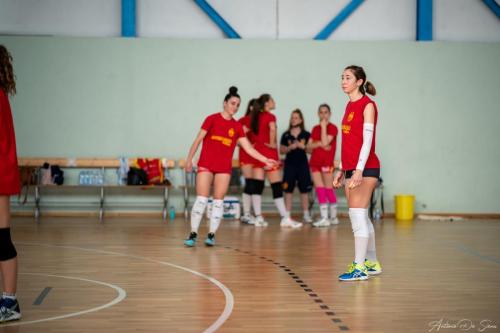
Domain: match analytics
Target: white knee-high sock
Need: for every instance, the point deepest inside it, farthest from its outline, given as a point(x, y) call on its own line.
point(371, 253)
point(197, 212)
point(216, 217)
point(333, 210)
point(323, 210)
point(247, 203)
point(280, 204)
point(257, 204)
point(361, 233)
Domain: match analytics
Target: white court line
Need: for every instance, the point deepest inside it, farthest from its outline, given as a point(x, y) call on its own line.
point(121, 296)
point(228, 309)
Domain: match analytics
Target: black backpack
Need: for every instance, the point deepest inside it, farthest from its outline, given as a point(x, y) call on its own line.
point(136, 176)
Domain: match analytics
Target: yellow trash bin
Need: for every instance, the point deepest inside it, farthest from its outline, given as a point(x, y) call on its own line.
point(404, 206)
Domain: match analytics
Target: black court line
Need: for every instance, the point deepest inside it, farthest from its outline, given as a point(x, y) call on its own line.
point(305, 287)
point(42, 296)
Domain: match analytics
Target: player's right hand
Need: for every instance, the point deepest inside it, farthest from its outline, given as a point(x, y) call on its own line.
point(337, 179)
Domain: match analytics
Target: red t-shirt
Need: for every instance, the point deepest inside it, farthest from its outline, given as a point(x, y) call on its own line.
point(9, 171)
point(244, 157)
point(321, 157)
point(352, 135)
point(219, 143)
point(264, 136)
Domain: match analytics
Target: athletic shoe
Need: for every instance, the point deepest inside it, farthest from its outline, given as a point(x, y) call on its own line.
point(288, 222)
point(9, 310)
point(259, 222)
point(373, 267)
point(191, 241)
point(210, 241)
point(324, 222)
point(334, 221)
point(247, 219)
point(355, 272)
point(307, 218)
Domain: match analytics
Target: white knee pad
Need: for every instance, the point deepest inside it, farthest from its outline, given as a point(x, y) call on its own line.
point(199, 206)
point(359, 222)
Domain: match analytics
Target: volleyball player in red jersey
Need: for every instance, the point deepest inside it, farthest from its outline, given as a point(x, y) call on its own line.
point(246, 166)
point(263, 128)
point(9, 185)
point(360, 167)
point(219, 133)
point(322, 146)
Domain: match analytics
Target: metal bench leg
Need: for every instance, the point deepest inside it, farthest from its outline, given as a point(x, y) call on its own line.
point(36, 213)
point(165, 203)
point(186, 195)
point(101, 205)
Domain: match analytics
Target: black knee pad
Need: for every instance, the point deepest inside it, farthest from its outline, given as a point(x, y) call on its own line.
point(249, 186)
point(7, 249)
point(259, 186)
point(277, 190)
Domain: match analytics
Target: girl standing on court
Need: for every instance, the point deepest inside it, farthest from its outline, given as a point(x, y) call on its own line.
point(360, 167)
point(219, 133)
point(263, 127)
point(246, 166)
point(296, 169)
point(9, 185)
point(323, 145)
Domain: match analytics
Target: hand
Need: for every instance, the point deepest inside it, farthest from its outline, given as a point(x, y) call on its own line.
point(337, 179)
point(270, 164)
point(324, 122)
point(356, 179)
point(292, 146)
point(270, 145)
point(189, 166)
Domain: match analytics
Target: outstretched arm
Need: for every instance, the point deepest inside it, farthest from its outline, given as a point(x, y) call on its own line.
point(245, 144)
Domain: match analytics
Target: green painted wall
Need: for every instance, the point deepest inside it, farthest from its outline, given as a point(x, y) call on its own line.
point(439, 121)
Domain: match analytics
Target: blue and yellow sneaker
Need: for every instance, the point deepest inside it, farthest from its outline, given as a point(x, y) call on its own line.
point(355, 272)
point(373, 267)
point(9, 310)
point(191, 241)
point(210, 241)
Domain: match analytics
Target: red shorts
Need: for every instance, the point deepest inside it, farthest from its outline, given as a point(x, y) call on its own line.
point(203, 169)
point(271, 153)
point(246, 159)
point(322, 169)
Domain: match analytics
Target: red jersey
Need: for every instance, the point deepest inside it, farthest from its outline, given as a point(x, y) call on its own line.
point(219, 143)
point(320, 156)
point(244, 157)
point(352, 135)
point(264, 136)
point(9, 171)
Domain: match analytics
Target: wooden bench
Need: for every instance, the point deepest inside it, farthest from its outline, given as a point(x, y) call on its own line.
point(91, 163)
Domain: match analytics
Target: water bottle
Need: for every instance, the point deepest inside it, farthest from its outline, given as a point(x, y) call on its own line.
point(377, 214)
point(171, 211)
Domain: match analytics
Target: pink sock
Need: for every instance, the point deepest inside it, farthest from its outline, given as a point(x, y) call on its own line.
point(330, 194)
point(321, 194)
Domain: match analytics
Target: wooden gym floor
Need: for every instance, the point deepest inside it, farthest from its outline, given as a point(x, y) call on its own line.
point(134, 275)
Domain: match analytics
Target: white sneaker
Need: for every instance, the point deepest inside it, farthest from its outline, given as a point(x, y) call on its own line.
point(334, 221)
point(259, 222)
point(247, 218)
point(288, 222)
point(308, 219)
point(324, 222)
